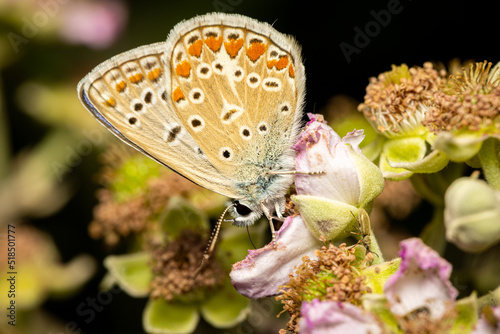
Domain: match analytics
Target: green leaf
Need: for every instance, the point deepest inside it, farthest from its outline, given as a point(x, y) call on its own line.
point(132, 272)
point(162, 317)
point(226, 308)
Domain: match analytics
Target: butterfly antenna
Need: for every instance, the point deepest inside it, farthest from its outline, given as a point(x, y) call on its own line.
point(211, 242)
point(249, 237)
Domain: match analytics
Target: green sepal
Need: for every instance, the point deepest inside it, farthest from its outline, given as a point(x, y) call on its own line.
point(432, 163)
point(459, 148)
point(162, 317)
point(401, 150)
point(467, 314)
point(370, 178)
point(226, 308)
point(325, 217)
point(378, 305)
point(131, 272)
point(377, 275)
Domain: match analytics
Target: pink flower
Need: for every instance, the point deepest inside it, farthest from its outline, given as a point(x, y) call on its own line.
point(327, 202)
point(262, 272)
point(421, 282)
point(322, 317)
point(93, 23)
point(322, 149)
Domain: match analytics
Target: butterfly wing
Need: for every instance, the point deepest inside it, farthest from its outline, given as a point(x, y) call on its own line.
point(129, 96)
point(238, 79)
point(218, 102)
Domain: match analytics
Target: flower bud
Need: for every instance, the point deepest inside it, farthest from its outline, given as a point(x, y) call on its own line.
point(472, 214)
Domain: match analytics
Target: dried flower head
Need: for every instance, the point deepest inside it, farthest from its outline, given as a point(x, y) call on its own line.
point(136, 191)
point(332, 277)
point(467, 101)
point(174, 265)
point(395, 101)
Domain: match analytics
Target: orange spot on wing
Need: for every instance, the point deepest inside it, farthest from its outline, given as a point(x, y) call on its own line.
point(255, 50)
point(136, 78)
point(214, 43)
point(233, 46)
point(178, 95)
point(120, 87)
point(279, 64)
point(183, 69)
point(195, 48)
point(110, 102)
point(291, 71)
point(154, 74)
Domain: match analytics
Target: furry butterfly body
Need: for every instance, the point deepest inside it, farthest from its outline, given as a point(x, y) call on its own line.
point(219, 102)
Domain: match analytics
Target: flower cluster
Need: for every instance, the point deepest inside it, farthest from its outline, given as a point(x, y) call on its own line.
point(326, 286)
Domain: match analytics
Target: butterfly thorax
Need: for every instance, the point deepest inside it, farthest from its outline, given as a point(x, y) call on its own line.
point(259, 186)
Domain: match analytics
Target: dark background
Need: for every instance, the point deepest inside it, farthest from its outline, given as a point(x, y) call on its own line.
point(422, 31)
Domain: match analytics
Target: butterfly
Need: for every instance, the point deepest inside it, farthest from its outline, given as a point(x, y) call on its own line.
point(219, 102)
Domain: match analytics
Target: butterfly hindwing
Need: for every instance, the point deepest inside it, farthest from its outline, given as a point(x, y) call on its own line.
point(237, 79)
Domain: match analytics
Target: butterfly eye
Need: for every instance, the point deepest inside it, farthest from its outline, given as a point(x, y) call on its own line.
point(241, 209)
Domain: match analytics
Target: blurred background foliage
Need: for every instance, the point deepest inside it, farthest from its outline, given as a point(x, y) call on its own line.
point(50, 146)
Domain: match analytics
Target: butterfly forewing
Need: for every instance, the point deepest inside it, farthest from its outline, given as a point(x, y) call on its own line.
point(128, 95)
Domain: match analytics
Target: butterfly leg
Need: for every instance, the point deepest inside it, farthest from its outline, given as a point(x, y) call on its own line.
point(294, 172)
point(270, 219)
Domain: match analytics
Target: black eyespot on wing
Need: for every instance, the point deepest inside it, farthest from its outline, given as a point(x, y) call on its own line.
point(138, 106)
point(173, 134)
point(195, 123)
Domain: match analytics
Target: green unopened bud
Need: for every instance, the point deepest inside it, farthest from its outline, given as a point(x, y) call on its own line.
point(472, 214)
